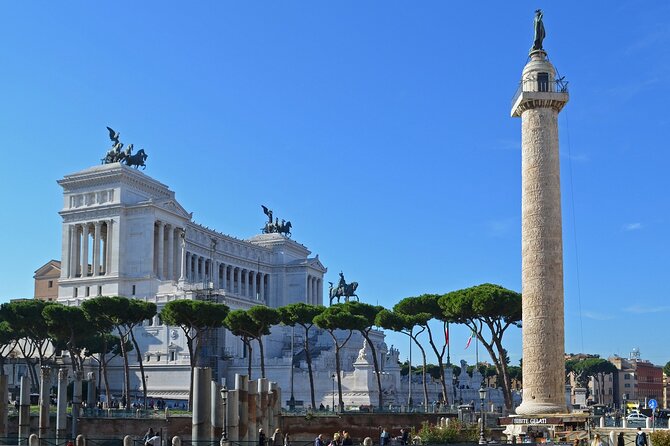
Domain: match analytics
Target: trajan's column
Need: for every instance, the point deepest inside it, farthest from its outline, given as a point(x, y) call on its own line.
point(539, 100)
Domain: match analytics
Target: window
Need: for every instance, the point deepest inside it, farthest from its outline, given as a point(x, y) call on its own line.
point(51, 284)
point(99, 290)
point(158, 357)
point(148, 358)
point(173, 355)
point(626, 376)
point(133, 290)
point(627, 385)
point(542, 81)
point(75, 292)
point(88, 290)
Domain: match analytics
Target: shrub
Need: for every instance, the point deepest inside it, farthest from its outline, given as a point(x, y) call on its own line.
point(456, 432)
point(660, 438)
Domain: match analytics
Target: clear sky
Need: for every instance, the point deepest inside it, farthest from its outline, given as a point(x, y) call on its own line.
point(380, 129)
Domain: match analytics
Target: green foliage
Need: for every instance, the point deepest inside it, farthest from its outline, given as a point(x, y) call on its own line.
point(456, 432)
point(660, 437)
point(299, 313)
point(666, 368)
point(482, 302)
point(194, 314)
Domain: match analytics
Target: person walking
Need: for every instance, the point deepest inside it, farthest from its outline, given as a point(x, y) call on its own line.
point(318, 441)
point(640, 438)
point(597, 441)
point(261, 437)
point(346, 439)
point(276, 438)
point(287, 439)
point(384, 438)
point(620, 440)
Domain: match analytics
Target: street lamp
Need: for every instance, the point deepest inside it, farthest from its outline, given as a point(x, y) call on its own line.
point(482, 396)
point(333, 377)
point(224, 398)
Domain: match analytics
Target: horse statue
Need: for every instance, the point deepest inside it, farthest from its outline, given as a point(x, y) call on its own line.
point(137, 159)
point(347, 291)
point(285, 228)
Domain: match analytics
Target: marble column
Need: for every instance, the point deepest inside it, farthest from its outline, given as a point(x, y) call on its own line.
point(543, 336)
point(161, 251)
point(202, 376)
point(232, 418)
point(84, 250)
point(44, 402)
point(74, 252)
point(216, 410)
point(61, 405)
point(4, 407)
point(253, 277)
point(76, 402)
point(262, 287)
point(252, 398)
point(170, 250)
point(183, 260)
point(263, 387)
point(236, 280)
point(91, 388)
point(96, 248)
point(242, 387)
point(24, 410)
point(109, 239)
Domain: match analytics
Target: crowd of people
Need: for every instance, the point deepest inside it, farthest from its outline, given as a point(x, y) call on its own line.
point(342, 438)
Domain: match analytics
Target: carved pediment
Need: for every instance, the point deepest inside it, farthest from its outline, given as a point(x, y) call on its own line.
point(175, 208)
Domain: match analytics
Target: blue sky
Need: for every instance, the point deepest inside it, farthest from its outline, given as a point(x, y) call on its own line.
point(380, 129)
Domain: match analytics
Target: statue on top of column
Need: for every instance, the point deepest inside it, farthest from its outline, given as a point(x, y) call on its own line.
point(275, 227)
point(540, 34)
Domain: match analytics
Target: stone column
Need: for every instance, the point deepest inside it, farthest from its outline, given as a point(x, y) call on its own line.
point(4, 406)
point(90, 394)
point(96, 249)
point(252, 398)
point(216, 410)
point(319, 288)
point(242, 387)
point(262, 287)
point(268, 290)
point(61, 405)
point(161, 251)
point(274, 406)
point(67, 261)
point(72, 252)
point(105, 245)
point(24, 410)
point(44, 402)
point(183, 260)
point(76, 402)
point(202, 376)
point(189, 265)
point(84, 250)
point(233, 416)
point(109, 247)
point(542, 245)
point(263, 422)
point(170, 250)
point(236, 280)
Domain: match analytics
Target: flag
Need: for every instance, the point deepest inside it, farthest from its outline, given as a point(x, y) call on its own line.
point(472, 335)
point(446, 335)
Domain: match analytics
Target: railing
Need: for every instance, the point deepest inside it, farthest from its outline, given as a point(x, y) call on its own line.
point(559, 85)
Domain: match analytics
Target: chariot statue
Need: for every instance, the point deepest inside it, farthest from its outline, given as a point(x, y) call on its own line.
point(116, 155)
point(276, 227)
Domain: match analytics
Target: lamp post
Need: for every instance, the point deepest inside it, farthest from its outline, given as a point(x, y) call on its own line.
point(224, 398)
point(482, 396)
point(333, 377)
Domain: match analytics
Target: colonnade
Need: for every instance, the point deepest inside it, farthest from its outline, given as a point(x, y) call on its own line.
point(314, 290)
point(234, 279)
point(89, 253)
point(166, 251)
